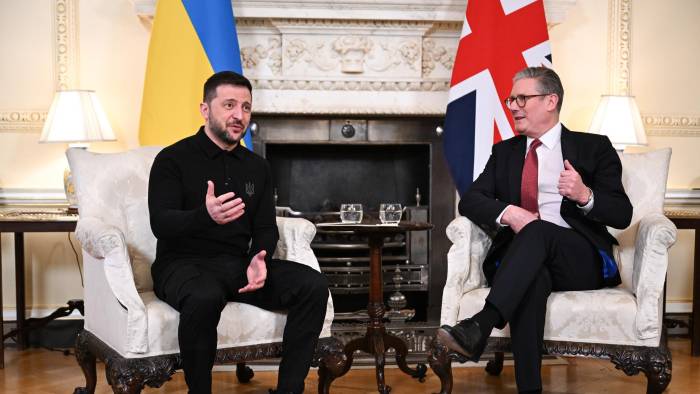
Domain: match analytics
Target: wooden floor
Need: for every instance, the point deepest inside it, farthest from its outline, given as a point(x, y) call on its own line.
point(42, 371)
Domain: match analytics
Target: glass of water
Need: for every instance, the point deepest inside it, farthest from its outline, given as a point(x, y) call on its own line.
point(351, 213)
point(390, 213)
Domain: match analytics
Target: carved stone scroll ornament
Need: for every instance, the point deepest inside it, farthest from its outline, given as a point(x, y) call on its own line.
point(407, 52)
point(298, 50)
point(352, 50)
point(252, 56)
point(433, 54)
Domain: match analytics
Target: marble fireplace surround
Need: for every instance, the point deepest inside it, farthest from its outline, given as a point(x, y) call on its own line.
point(351, 57)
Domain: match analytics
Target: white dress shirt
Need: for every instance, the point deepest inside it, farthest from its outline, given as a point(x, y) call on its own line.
point(550, 164)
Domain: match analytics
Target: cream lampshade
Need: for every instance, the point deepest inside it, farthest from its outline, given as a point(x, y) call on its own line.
point(618, 118)
point(77, 118)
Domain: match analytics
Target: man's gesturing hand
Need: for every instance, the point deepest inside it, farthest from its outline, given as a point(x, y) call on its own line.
point(517, 217)
point(257, 273)
point(223, 209)
point(571, 186)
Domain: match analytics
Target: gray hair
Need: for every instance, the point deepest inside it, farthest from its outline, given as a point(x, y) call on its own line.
point(548, 81)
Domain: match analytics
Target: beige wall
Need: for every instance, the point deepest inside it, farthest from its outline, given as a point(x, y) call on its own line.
point(112, 46)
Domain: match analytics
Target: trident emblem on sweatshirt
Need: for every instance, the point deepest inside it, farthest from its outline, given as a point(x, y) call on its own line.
point(250, 189)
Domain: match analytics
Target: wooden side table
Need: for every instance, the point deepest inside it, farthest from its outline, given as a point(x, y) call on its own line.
point(20, 220)
point(376, 340)
point(689, 219)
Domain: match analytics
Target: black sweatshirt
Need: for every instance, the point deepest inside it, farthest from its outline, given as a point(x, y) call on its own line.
point(179, 217)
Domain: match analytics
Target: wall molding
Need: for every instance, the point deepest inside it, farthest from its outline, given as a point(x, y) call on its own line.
point(66, 47)
point(679, 306)
point(619, 77)
point(21, 121)
point(65, 68)
point(672, 125)
point(407, 85)
point(682, 197)
point(619, 46)
point(21, 196)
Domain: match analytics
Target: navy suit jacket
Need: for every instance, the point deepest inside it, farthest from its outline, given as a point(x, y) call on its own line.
point(498, 186)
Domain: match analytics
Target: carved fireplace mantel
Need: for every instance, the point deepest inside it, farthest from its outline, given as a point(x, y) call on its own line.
point(350, 57)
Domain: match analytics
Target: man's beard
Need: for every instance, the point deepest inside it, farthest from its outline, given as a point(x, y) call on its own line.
point(219, 131)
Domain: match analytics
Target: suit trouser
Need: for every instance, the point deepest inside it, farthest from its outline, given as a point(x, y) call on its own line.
point(199, 290)
point(541, 258)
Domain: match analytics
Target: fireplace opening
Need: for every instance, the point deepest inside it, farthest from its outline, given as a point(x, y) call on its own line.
point(319, 163)
point(320, 177)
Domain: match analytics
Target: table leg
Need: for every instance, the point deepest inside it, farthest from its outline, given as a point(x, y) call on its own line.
point(379, 361)
point(392, 341)
point(375, 309)
point(376, 339)
point(695, 335)
point(19, 290)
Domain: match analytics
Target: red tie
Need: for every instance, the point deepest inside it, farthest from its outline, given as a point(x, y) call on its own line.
point(528, 185)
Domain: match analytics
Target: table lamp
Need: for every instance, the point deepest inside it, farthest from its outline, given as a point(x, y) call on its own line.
point(77, 118)
point(618, 118)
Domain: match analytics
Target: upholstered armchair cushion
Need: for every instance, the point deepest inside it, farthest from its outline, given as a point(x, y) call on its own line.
point(629, 314)
point(114, 231)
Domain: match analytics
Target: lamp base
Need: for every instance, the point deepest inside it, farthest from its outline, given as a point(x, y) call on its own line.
point(69, 188)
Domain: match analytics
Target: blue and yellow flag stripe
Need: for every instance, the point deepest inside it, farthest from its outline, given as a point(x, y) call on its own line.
point(190, 40)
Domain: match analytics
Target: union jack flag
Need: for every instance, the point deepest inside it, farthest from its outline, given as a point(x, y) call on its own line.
point(499, 38)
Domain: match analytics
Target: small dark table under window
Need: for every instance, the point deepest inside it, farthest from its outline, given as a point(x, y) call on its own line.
point(689, 219)
point(20, 220)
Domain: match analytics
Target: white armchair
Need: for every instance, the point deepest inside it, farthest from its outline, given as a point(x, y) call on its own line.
point(623, 324)
point(126, 325)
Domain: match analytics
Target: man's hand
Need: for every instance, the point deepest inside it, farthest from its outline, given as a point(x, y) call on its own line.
point(257, 273)
point(571, 186)
point(517, 217)
point(222, 209)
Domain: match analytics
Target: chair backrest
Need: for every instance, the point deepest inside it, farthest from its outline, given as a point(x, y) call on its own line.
point(113, 187)
point(644, 177)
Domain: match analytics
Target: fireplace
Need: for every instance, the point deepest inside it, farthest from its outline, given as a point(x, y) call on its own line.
point(319, 163)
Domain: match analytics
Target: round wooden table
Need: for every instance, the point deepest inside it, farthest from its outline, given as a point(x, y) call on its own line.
point(376, 340)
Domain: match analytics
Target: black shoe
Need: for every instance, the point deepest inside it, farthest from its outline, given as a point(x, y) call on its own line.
point(464, 338)
point(281, 392)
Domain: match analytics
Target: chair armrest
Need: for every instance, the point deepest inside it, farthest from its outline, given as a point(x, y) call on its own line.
point(655, 235)
point(458, 267)
point(295, 239)
point(106, 243)
point(294, 244)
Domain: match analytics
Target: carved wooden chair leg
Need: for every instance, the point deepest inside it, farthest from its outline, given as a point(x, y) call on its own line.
point(244, 373)
point(495, 366)
point(440, 362)
point(122, 378)
point(655, 363)
point(86, 360)
point(658, 370)
point(130, 376)
point(331, 361)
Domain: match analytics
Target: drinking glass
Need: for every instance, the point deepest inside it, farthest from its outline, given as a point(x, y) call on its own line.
point(351, 213)
point(390, 213)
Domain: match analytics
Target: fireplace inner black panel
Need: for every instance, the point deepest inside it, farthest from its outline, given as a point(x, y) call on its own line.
point(319, 177)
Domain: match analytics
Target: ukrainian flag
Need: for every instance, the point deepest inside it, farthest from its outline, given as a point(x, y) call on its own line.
point(190, 40)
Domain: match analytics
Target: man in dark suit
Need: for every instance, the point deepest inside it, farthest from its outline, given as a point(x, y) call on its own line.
point(545, 197)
